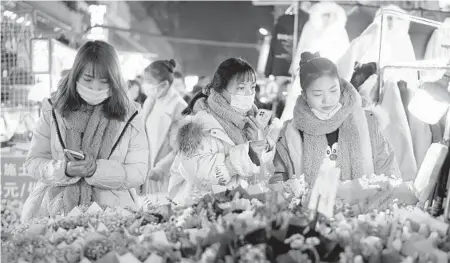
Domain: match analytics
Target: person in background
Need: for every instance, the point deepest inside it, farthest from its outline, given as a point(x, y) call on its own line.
point(162, 110)
point(222, 142)
point(89, 114)
point(201, 84)
point(136, 92)
point(179, 85)
point(258, 102)
point(280, 100)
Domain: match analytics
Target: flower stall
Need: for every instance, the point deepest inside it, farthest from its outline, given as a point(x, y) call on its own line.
point(257, 224)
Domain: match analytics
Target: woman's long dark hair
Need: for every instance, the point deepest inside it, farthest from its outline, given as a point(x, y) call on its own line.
point(190, 108)
point(227, 70)
point(105, 62)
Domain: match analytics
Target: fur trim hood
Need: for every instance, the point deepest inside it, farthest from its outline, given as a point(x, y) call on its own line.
point(189, 136)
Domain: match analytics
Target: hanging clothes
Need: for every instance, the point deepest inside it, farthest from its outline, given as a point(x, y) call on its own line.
point(437, 52)
point(396, 48)
point(397, 132)
point(420, 132)
point(396, 36)
point(281, 44)
point(324, 33)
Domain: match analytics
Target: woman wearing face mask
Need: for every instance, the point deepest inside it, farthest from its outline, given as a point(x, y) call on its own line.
point(162, 110)
point(221, 143)
point(90, 114)
point(136, 93)
point(330, 125)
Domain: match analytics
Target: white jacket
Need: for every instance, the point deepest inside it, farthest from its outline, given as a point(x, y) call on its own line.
point(206, 155)
point(330, 37)
point(114, 180)
point(160, 122)
point(396, 48)
point(437, 52)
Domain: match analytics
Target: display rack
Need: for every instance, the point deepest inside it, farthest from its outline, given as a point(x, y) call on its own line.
point(418, 65)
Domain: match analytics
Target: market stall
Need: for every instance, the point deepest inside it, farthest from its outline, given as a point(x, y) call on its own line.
point(254, 225)
point(375, 218)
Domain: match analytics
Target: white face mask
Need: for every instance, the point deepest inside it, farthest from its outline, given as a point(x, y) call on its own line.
point(326, 116)
point(153, 91)
point(242, 103)
point(92, 97)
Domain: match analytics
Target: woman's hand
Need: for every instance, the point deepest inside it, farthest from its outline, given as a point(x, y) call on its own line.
point(258, 146)
point(84, 168)
point(251, 129)
point(255, 151)
point(91, 165)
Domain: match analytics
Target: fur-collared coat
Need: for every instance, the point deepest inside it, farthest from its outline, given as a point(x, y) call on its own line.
point(207, 157)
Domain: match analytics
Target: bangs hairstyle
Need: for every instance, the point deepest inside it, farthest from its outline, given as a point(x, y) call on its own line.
point(232, 68)
point(105, 64)
point(312, 67)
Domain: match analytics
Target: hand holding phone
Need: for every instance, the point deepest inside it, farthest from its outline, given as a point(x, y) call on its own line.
point(263, 117)
point(79, 165)
point(74, 155)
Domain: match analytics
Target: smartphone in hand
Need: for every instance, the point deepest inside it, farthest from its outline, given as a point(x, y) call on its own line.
point(263, 117)
point(76, 155)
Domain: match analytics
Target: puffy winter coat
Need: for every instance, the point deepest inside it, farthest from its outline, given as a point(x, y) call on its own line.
point(114, 180)
point(206, 156)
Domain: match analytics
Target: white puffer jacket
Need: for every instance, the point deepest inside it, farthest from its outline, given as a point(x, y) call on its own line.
point(115, 179)
point(206, 156)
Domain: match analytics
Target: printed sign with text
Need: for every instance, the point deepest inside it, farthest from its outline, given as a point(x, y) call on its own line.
point(16, 183)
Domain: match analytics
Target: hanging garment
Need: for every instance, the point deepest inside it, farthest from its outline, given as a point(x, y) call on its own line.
point(280, 54)
point(398, 132)
point(396, 48)
point(370, 91)
point(324, 33)
point(437, 51)
point(438, 88)
point(420, 132)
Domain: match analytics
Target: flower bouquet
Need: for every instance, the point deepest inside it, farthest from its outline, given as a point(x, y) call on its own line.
point(232, 226)
point(10, 212)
